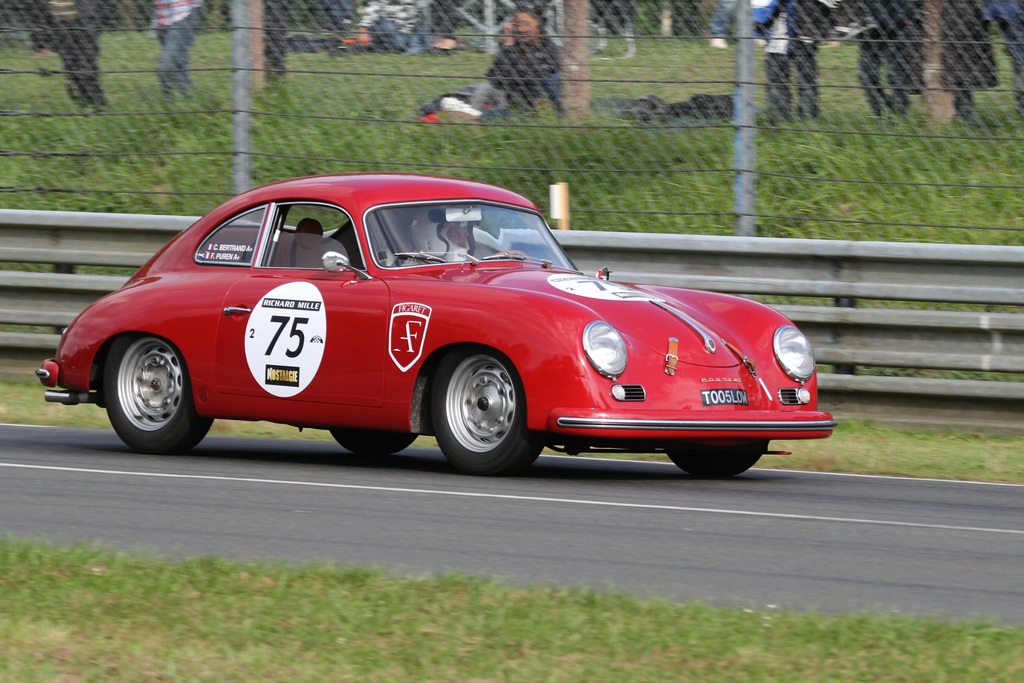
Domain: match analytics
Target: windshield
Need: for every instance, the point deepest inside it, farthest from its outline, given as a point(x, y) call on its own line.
point(415, 234)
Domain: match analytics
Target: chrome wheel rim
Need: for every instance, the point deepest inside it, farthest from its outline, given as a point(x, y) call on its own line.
point(149, 386)
point(481, 403)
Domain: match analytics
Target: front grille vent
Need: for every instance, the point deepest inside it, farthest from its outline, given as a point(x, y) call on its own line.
point(790, 396)
point(629, 392)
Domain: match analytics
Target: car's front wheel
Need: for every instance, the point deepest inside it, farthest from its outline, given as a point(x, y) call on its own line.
point(149, 397)
point(480, 414)
point(372, 442)
point(718, 462)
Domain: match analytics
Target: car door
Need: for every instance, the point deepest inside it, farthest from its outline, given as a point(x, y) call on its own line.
point(300, 332)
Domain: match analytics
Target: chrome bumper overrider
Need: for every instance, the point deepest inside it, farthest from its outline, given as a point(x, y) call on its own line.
point(697, 425)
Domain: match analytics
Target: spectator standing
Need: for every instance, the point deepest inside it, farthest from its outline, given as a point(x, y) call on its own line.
point(177, 24)
point(968, 62)
point(276, 17)
point(1008, 15)
point(891, 39)
point(76, 38)
point(794, 33)
point(394, 26)
point(720, 22)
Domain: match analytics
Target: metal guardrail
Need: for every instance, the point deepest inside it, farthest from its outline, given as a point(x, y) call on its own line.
point(894, 325)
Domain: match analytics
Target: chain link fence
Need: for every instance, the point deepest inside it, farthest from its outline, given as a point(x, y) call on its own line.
point(825, 120)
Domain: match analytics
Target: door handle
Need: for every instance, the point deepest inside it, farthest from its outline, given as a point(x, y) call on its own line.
point(231, 310)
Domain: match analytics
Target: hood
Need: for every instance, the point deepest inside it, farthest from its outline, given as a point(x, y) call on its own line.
point(644, 317)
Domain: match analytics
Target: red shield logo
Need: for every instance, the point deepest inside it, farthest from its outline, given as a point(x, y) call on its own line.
point(408, 331)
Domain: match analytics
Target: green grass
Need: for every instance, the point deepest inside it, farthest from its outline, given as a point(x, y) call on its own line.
point(86, 614)
point(845, 176)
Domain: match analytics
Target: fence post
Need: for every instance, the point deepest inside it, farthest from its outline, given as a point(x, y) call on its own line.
point(938, 100)
point(241, 96)
point(743, 123)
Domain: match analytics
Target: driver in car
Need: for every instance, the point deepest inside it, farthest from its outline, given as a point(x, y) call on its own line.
point(457, 236)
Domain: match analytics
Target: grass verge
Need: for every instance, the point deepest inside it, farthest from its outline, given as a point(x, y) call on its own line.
point(87, 614)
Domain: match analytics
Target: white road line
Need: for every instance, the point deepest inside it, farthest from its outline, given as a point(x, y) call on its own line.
point(892, 477)
point(668, 464)
point(534, 499)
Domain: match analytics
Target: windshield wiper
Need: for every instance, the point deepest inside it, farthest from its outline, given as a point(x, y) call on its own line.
point(502, 256)
point(421, 256)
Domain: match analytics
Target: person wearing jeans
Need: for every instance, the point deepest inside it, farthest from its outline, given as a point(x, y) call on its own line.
point(797, 28)
point(177, 24)
point(720, 22)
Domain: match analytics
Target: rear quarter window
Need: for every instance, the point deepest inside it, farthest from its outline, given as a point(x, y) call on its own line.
point(234, 243)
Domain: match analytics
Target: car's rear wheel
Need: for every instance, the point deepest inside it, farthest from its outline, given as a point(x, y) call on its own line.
point(718, 462)
point(479, 411)
point(372, 442)
point(149, 397)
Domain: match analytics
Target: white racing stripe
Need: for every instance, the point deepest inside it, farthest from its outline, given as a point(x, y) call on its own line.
point(532, 499)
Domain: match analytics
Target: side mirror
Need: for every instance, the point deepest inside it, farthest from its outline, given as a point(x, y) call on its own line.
point(333, 262)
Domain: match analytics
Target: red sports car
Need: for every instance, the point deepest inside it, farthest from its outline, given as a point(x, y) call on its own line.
point(384, 306)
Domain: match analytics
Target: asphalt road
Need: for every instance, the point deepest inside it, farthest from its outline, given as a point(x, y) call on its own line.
point(768, 539)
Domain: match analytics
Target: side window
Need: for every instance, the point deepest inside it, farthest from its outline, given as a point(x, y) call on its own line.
point(234, 243)
point(304, 232)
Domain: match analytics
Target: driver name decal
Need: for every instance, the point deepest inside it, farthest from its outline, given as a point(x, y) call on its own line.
point(284, 340)
point(408, 331)
point(592, 288)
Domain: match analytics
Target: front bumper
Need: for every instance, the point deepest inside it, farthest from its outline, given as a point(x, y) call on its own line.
point(749, 425)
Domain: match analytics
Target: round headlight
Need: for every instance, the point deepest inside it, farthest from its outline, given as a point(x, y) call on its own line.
point(794, 353)
point(605, 349)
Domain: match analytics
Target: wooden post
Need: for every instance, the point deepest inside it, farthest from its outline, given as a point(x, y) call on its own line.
point(576, 60)
point(256, 25)
point(938, 100)
point(560, 204)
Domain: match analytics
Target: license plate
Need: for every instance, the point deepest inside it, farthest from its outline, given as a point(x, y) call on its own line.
point(723, 397)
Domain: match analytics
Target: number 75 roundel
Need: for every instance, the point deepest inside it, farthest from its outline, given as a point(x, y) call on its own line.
point(285, 338)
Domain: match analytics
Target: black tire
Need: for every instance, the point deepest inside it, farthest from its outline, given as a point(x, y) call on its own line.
point(371, 442)
point(148, 396)
point(479, 412)
point(718, 462)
